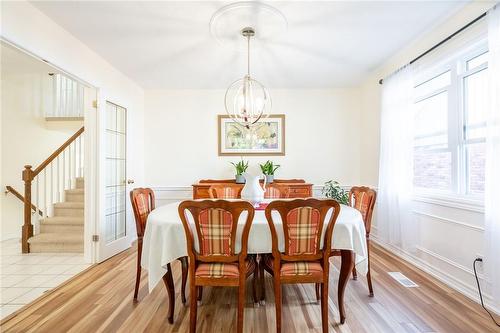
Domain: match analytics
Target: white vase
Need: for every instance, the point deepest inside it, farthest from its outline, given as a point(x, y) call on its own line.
point(252, 191)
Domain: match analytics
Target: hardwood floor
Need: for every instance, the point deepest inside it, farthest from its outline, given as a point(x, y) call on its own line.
point(100, 300)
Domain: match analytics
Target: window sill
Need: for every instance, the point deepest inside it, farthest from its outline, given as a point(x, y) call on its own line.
point(452, 201)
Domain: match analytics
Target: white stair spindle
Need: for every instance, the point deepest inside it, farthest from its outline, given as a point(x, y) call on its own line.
point(70, 93)
point(69, 166)
point(53, 111)
point(37, 195)
point(74, 159)
point(80, 156)
point(64, 170)
point(45, 191)
point(63, 104)
point(58, 177)
point(51, 197)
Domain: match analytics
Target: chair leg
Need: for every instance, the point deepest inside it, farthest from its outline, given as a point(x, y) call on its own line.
point(193, 306)
point(169, 283)
point(354, 273)
point(318, 286)
point(262, 283)
point(324, 306)
point(184, 265)
point(368, 275)
point(138, 273)
point(200, 292)
point(277, 297)
point(241, 304)
point(254, 285)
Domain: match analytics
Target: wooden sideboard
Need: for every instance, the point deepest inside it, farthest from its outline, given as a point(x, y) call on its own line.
point(298, 187)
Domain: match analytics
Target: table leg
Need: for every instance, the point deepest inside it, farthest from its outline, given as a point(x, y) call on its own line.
point(345, 271)
point(169, 284)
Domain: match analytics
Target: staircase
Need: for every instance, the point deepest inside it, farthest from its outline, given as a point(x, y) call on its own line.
point(54, 200)
point(62, 232)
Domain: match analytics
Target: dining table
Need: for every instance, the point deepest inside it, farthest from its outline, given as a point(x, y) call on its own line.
point(164, 241)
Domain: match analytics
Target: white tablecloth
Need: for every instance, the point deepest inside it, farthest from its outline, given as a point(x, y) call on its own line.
point(165, 241)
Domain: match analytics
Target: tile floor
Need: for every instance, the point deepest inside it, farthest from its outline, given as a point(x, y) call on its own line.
point(24, 277)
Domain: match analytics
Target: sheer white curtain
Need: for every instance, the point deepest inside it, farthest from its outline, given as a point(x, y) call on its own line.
point(395, 223)
point(492, 172)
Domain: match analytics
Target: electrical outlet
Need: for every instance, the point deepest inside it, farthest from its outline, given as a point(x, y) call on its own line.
point(479, 263)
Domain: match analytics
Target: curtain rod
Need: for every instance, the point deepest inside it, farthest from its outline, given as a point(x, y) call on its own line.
point(444, 40)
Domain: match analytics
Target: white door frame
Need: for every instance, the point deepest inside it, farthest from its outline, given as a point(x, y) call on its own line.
point(92, 162)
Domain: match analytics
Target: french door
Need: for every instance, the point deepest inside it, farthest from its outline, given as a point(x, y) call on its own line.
point(114, 231)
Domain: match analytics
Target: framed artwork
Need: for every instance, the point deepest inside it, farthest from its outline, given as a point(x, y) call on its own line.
point(266, 137)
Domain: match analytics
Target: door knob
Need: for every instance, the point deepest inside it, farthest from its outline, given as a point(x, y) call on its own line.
point(130, 181)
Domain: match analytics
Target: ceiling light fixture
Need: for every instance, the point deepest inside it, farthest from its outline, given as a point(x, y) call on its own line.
point(247, 100)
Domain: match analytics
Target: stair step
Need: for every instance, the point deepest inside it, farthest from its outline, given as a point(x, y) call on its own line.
point(56, 242)
point(63, 220)
point(75, 195)
point(80, 183)
point(74, 209)
point(62, 224)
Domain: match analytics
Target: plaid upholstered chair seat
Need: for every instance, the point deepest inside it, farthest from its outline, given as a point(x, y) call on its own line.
point(299, 268)
point(223, 270)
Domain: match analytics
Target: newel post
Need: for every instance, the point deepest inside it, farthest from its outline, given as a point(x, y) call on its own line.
point(27, 230)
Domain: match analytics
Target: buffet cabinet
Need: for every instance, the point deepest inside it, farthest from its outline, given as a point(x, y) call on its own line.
point(298, 188)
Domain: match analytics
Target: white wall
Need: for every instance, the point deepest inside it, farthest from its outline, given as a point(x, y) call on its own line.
point(450, 233)
point(26, 139)
point(321, 140)
point(29, 28)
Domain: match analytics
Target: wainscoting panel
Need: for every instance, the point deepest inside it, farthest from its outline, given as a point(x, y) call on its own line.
point(450, 238)
point(168, 194)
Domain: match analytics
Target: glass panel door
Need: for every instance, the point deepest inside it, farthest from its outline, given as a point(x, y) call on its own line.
point(115, 173)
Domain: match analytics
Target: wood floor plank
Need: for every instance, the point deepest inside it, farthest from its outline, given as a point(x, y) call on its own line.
point(100, 300)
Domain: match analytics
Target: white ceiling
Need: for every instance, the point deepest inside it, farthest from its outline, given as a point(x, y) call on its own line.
point(168, 44)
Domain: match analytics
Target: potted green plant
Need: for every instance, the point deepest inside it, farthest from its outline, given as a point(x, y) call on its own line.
point(240, 168)
point(268, 170)
point(333, 190)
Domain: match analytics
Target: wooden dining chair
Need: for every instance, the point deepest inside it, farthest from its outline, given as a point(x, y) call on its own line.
point(226, 191)
point(277, 192)
point(143, 203)
point(303, 261)
point(363, 199)
point(215, 262)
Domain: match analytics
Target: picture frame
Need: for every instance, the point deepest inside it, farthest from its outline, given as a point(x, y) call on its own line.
point(265, 138)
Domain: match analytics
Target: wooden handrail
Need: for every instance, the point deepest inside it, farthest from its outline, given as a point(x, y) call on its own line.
point(20, 197)
point(56, 153)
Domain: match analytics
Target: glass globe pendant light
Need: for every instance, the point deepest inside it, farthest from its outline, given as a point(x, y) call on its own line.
point(247, 100)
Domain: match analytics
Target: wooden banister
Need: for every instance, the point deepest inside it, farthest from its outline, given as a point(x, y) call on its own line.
point(18, 195)
point(57, 152)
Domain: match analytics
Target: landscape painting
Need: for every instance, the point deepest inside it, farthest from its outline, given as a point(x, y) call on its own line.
point(266, 137)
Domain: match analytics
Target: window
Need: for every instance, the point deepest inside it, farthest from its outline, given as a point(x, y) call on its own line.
point(450, 124)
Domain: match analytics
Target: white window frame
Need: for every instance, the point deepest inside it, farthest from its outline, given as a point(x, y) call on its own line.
point(457, 65)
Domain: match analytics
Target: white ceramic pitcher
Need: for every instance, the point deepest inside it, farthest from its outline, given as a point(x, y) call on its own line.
point(252, 191)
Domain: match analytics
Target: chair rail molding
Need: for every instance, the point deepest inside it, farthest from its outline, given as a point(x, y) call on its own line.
point(450, 221)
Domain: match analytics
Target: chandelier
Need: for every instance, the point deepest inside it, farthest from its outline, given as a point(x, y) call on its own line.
point(247, 100)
